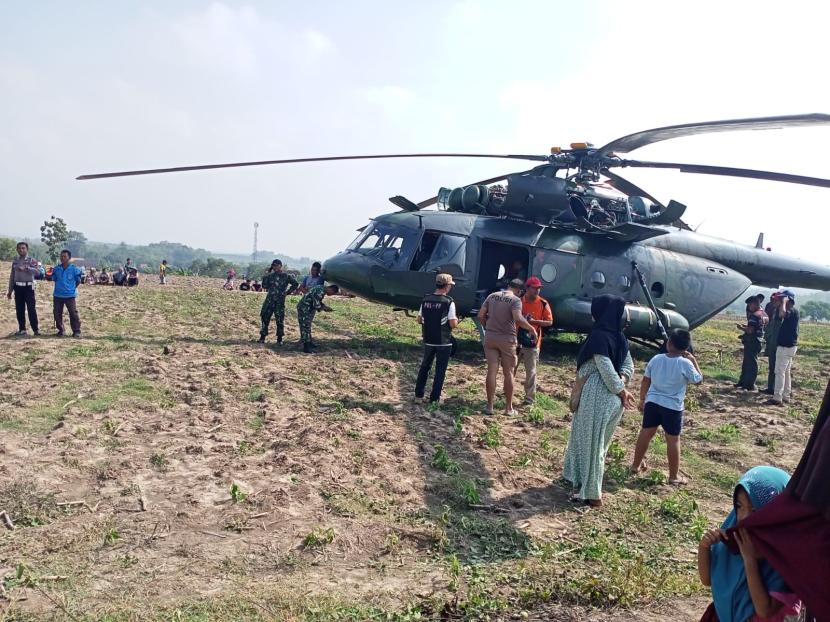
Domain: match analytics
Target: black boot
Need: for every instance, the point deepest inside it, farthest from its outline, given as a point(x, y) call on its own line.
point(307, 348)
point(279, 340)
point(262, 339)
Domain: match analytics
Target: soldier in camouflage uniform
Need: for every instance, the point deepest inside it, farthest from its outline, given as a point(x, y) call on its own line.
point(309, 305)
point(278, 284)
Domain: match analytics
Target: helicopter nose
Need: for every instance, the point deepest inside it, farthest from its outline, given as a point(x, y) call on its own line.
point(349, 270)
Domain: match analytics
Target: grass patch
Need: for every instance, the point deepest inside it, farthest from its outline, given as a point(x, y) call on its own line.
point(255, 394)
point(491, 437)
point(27, 504)
point(318, 538)
point(441, 460)
point(725, 433)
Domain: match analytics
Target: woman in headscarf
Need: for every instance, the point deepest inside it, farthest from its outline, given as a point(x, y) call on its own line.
point(745, 586)
point(793, 532)
point(604, 364)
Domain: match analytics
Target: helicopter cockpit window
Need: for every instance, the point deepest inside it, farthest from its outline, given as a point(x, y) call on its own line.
point(361, 234)
point(390, 244)
point(373, 240)
point(450, 250)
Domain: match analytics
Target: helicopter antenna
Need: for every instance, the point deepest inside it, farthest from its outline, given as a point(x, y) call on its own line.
point(256, 251)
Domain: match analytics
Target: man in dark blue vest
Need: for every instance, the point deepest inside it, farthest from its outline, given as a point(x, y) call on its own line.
point(437, 318)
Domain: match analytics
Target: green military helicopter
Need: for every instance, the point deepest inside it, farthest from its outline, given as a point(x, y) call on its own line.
point(574, 223)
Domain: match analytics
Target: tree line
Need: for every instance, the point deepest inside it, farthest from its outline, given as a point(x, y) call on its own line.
point(55, 235)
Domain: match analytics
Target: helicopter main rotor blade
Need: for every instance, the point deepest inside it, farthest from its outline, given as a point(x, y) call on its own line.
point(204, 167)
point(627, 187)
point(729, 171)
point(631, 142)
point(483, 182)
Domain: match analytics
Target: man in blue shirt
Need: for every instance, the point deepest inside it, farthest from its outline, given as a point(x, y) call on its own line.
point(66, 278)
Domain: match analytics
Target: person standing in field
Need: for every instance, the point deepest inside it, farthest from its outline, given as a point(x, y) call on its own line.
point(278, 284)
point(437, 318)
point(537, 311)
point(771, 339)
point(785, 352)
point(163, 272)
point(66, 277)
point(752, 334)
point(662, 397)
point(22, 285)
point(500, 315)
point(604, 368)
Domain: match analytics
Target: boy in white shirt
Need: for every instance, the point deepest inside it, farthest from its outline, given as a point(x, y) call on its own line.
point(662, 394)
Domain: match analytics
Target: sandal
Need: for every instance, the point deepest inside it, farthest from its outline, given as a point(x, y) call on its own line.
point(678, 482)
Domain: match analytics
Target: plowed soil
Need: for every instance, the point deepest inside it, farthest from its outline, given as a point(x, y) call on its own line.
point(167, 466)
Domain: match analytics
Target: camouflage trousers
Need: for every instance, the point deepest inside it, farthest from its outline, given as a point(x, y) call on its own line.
point(305, 318)
point(273, 306)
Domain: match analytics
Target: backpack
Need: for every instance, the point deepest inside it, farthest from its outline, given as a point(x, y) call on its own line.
point(526, 338)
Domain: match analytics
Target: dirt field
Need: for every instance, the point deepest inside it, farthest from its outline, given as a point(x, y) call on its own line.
point(166, 466)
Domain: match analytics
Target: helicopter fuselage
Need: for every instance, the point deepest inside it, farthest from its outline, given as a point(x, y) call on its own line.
point(690, 277)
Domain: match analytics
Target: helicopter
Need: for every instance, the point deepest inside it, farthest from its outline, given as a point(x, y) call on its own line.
point(575, 224)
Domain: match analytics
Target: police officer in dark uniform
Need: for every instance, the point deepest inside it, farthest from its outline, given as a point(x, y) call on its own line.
point(437, 318)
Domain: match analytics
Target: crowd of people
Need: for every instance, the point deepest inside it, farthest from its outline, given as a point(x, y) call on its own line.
point(748, 562)
point(754, 568)
point(120, 277)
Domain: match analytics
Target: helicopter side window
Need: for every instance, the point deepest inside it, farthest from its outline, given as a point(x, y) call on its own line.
point(657, 289)
point(598, 279)
point(425, 249)
point(548, 273)
point(450, 250)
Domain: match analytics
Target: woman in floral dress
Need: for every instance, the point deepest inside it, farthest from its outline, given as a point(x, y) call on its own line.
point(605, 364)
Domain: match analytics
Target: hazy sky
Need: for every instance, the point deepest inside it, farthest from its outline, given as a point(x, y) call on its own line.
point(97, 86)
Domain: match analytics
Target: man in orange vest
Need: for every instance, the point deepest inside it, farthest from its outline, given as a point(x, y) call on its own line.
point(537, 311)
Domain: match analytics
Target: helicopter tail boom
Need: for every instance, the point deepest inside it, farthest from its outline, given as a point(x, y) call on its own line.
point(760, 266)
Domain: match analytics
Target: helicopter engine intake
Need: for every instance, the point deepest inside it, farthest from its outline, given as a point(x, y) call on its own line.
point(542, 199)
